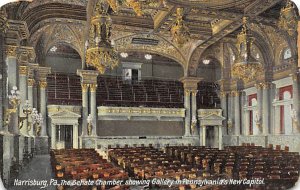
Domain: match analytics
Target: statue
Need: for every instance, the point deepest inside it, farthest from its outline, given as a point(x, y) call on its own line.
point(90, 125)
point(194, 126)
point(294, 118)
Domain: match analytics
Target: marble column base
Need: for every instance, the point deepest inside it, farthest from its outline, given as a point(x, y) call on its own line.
point(42, 145)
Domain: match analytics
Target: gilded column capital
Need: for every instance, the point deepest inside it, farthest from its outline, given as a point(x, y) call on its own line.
point(266, 85)
point(259, 86)
point(31, 82)
point(93, 87)
point(187, 92)
point(11, 51)
point(194, 92)
point(85, 87)
point(23, 70)
point(223, 94)
point(234, 93)
point(43, 84)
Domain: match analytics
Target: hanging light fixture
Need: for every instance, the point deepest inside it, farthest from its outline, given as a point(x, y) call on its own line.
point(100, 53)
point(179, 30)
point(148, 56)
point(246, 67)
point(288, 18)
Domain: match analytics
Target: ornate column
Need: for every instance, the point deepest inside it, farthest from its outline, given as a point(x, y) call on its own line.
point(75, 135)
point(275, 114)
point(3, 101)
point(220, 137)
point(43, 106)
point(53, 136)
point(259, 88)
point(223, 99)
point(93, 107)
point(187, 120)
point(266, 108)
point(87, 77)
point(190, 85)
point(85, 110)
point(12, 74)
point(296, 105)
point(237, 116)
point(23, 72)
point(30, 83)
point(43, 72)
point(203, 135)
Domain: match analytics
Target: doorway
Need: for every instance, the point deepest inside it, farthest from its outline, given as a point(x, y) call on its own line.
point(64, 136)
point(210, 137)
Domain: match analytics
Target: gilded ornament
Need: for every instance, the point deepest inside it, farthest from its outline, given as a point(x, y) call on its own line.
point(11, 51)
point(93, 87)
point(43, 84)
point(100, 53)
point(31, 82)
point(288, 19)
point(180, 32)
point(85, 87)
point(246, 67)
point(23, 70)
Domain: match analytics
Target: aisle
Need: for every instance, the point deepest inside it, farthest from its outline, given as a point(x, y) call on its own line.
point(39, 170)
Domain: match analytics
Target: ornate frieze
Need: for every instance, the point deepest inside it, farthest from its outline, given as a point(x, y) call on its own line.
point(141, 112)
point(52, 109)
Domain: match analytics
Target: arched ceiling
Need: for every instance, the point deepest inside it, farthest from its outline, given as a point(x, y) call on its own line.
point(209, 21)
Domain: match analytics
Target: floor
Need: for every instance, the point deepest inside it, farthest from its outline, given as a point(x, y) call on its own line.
point(36, 175)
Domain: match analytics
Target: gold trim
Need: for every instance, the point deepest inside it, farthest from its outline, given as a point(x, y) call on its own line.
point(43, 84)
point(23, 70)
point(93, 87)
point(85, 87)
point(31, 82)
point(11, 51)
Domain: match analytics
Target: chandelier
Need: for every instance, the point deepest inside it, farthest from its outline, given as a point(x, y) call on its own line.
point(288, 19)
point(179, 31)
point(100, 53)
point(245, 66)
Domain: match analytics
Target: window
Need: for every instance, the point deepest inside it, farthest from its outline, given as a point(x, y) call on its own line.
point(253, 130)
point(287, 54)
point(285, 94)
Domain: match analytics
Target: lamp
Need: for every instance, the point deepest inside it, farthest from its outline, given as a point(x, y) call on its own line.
point(246, 67)
point(206, 61)
point(179, 30)
point(100, 53)
point(124, 55)
point(14, 101)
point(148, 56)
